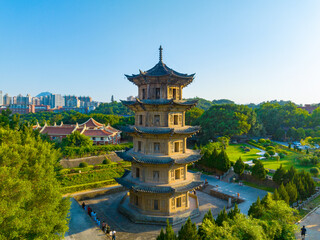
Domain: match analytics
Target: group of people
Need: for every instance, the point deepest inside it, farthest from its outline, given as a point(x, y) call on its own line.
point(104, 226)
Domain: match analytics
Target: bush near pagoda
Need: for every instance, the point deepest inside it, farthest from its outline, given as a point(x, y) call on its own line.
point(258, 170)
point(31, 205)
point(239, 166)
point(269, 219)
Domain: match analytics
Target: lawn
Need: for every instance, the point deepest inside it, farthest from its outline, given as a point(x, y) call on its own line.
point(235, 151)
point(308, 207)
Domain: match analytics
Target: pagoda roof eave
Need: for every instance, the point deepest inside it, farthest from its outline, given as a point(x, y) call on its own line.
point(161, 130)
point(125, 181)
point(160, 102)
point(132, 156)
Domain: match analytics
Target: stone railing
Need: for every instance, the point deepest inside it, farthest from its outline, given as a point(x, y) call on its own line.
point(301, 205)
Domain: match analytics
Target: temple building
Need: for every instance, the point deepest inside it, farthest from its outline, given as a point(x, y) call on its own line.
point(160, 187)
point(99, 133)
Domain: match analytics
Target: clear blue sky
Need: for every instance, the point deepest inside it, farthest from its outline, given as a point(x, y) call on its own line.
point(246, 51)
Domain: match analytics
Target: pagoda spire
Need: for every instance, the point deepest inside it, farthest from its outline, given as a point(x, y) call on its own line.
point(160, 53)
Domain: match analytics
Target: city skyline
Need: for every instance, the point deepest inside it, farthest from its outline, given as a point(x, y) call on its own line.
point(240, 50)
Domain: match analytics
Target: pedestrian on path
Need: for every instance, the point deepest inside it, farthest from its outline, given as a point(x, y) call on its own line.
point(114, 235)
point(303, 232)
point(83, 205)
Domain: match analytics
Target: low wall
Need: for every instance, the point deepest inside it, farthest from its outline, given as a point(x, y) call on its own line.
point(97, 193)
point(264, 183)
point(93, 160)
point(225, 196)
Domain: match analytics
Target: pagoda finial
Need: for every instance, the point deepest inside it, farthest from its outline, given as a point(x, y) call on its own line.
point(160, 53)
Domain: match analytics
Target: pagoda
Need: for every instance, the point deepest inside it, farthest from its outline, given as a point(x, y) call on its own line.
point(160, 187)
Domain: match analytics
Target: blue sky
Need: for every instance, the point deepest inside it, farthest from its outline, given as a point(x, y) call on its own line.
point(246, 51)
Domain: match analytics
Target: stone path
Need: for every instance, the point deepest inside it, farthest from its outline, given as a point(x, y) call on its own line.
point(249, 194)
point(312, 223)
point(81, 227)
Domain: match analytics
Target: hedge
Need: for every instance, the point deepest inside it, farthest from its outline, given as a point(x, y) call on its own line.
point(255, 144)
point(81, 187)
point(74, 152)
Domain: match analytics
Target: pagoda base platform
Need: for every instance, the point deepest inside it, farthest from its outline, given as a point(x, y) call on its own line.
point(137, 217)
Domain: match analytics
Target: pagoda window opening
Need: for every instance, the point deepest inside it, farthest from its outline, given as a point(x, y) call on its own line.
point(102, 138)
point(174, 93)
point(157, 120)
point(175, 119)
point(143, 93)
point(177, 174)
point(157, 93)
point(93, 138)
point(156, 147)
point(140, 120)
point(136, 202)
point(156, 176)
point(137, 172)
point(139, 146)
point(178, 202)
point(156, 205)
point(176, 147)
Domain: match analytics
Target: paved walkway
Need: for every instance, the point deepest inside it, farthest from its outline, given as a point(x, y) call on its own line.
point(81, 227)
point(249, 194)
point(312, 223)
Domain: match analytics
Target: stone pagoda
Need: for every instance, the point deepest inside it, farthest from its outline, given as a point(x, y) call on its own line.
point(159, 184)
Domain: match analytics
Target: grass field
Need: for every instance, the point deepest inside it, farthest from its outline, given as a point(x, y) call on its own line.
point(235, 151)
point(311, 205)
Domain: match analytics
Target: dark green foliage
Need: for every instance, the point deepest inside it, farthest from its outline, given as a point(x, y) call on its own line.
point(188, 231)
point(283, 194)
point(258, 170)
point(276, 195)
point(116, 108)
point(292, 192)
point(192, 115)
point(315, 171)
point(83, 165)
point(279, 175)
point(222, 216)
point(233, 212)
point(161, 236)
point(256, 209)
point(239, 166)
point(76, 139)
point(226, 120)
point(169, 234)
point(223, 163)
point(106, 161)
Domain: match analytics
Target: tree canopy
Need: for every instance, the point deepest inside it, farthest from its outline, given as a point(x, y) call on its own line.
point(31, 205)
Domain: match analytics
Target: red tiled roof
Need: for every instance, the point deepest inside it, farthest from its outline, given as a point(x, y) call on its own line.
point(96, 132)
point(58, 130)
point(91, 123)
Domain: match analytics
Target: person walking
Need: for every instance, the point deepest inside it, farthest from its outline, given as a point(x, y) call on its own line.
point(303, 232)
point(114, 235)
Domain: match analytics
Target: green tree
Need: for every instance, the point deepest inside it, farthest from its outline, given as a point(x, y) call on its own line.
point(223, 163)
point(31, 205)
point(256, 209)
point(292, 192)
point(283, 194)
point(192, 115)
point(222, 216)
point(276, 195)
point(258, 170)
point(188, 231)
point(169, 234)
point(279, 175)
point(239, 166)
point(315, 171)
point(76, 139)
point(234, 212)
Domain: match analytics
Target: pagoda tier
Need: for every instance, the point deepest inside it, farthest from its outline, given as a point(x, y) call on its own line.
point(186, 158)
point(186, 130)
point(192, 182)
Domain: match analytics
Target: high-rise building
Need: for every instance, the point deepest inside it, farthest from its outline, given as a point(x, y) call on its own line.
point(7, 100)
point(159, 184)
point(1, 98)
point(56, 101)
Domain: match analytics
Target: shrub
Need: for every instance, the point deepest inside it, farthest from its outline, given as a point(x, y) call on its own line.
point(271, 152)
point(247, 166)
point(262, 141)
point(83, 165)
point(268, 141)
point(106, 161)
point(266, 155)
point(282, 155)
point(270, 148)
point(315, 171)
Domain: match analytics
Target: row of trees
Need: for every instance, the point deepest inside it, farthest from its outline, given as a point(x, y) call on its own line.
point(213, 159)
point(268, 219)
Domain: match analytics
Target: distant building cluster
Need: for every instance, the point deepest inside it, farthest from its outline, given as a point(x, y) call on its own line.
point(99, 133)
point(47, 102)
